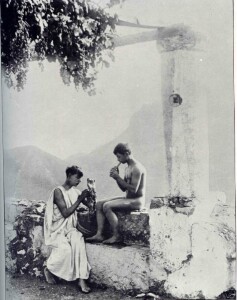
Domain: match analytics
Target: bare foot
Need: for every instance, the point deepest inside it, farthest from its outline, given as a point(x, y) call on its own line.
point(83, 286)
point(98, 238)
point(49, 276)
point(113, 240)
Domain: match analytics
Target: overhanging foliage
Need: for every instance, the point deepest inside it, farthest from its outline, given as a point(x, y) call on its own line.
point(77, 33)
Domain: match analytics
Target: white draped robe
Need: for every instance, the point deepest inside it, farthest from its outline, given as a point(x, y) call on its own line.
point(68, 258)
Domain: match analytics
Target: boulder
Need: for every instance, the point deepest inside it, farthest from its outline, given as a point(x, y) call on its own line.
point(170, 241)
point(208, 273)
point(225, 214)
point(26, 240)
point(124, 268)
point(164, 251)
point(198, 257)
point(133, 226)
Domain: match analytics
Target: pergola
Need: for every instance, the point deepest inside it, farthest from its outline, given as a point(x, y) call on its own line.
point(184, 102)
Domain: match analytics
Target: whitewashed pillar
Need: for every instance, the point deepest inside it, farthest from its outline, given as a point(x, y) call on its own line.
point(185, 113)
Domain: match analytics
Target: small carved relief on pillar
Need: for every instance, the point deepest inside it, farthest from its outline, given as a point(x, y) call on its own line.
point(175, 100)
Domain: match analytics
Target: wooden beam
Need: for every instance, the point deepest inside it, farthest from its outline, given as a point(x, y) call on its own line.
point(135, 38)
point(169, 38)
point(137, 25)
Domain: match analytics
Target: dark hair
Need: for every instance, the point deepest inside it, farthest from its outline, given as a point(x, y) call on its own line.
point(122, 148)
point(74, 170)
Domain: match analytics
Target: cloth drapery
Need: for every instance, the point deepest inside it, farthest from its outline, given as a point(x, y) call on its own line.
point(68, 259)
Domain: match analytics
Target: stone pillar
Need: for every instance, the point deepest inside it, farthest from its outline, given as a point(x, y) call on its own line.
point(193, 248)
point(185, 114)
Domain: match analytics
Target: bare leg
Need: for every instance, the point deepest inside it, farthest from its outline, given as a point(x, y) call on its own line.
point(84, 287)
point(49, 276)
point(113, 220)
point(125, 204)
point(100, 217)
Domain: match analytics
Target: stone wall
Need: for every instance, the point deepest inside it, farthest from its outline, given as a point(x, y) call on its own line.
point(134, 227)
point(164, 251)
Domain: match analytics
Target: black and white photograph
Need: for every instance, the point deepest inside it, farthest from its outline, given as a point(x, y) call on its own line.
point(118, 150)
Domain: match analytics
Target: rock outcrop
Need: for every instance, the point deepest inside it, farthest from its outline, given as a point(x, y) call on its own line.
point(26, 241)
point(198, 255)
point(164, 251)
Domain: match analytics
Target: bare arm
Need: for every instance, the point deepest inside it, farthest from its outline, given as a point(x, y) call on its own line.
point(115, 169)
point(121, 186)
point(135, 182)
point(60, 202)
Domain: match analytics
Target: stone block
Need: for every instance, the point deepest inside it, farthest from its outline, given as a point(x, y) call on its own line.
point(133, 226)
point(225, 214)
point(185, 210)
point(166, 252)
point(125, 268)
point(207, 274)
point(157, 202)
point(170, 242)
point(27, 246)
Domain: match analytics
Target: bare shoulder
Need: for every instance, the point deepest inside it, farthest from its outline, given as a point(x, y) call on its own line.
point(58, 195)
point(138, 167)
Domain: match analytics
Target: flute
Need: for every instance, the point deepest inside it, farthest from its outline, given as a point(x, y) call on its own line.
point(118, 166)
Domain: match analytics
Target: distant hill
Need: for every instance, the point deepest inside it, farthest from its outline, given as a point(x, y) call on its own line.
point(145, 134)
point(146, 138)
point(31, 173)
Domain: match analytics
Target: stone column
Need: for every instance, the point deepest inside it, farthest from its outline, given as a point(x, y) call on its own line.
point(185, 114)
point(193, 248)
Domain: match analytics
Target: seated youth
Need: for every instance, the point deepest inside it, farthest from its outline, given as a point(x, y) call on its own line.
point(68, 258)
point(133, 184)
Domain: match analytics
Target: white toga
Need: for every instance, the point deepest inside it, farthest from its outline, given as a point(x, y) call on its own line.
point(68, 259)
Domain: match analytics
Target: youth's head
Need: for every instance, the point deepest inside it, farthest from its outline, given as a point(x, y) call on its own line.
point(123, 152)
point(74, 175)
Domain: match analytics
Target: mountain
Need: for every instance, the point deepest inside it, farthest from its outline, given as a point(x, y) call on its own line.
point(31, 173)
point(145, 135)
point(146, 138)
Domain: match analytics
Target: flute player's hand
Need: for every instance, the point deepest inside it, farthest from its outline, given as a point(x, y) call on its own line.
point(115, 169)
point(114, 173)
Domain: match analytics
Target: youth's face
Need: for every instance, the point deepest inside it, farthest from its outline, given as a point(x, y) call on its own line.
point(122, 158)
point(74, 179)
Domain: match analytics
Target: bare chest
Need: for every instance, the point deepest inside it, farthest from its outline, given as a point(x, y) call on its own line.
point(128, 175)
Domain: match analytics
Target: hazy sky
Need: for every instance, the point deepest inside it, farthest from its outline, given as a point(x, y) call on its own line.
point(63, 121)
